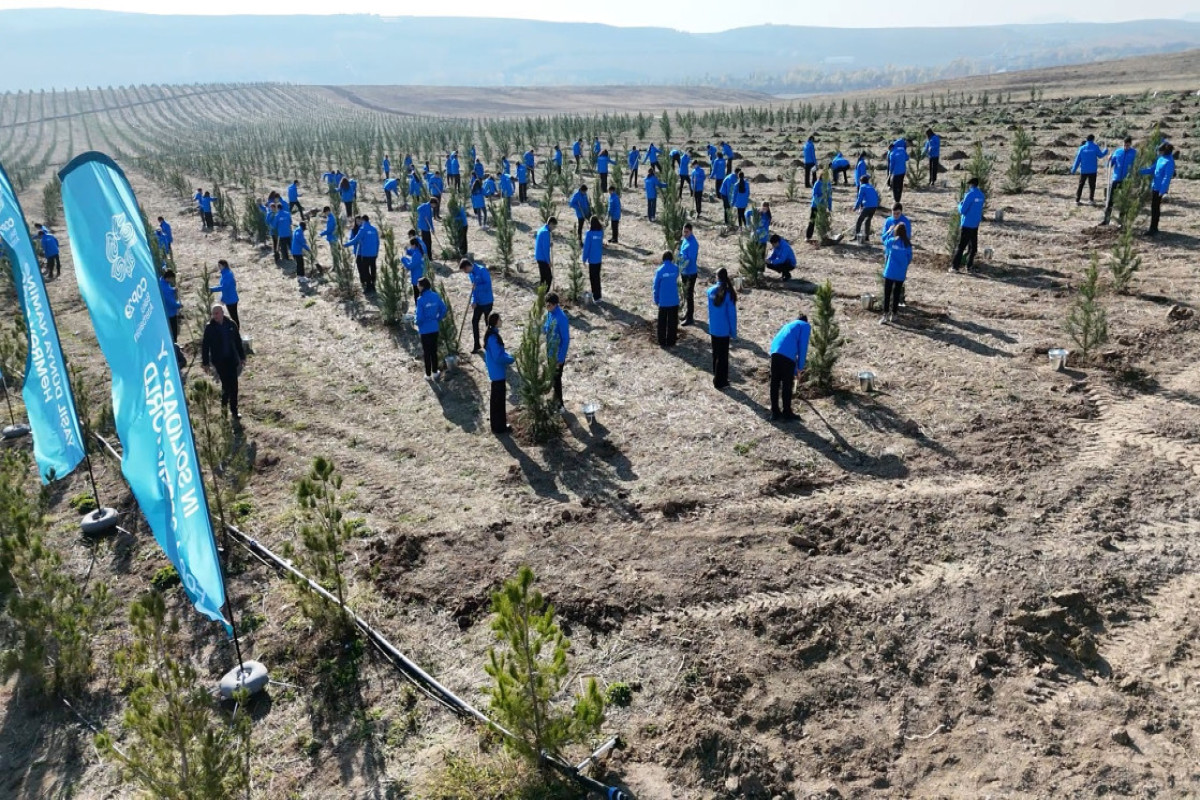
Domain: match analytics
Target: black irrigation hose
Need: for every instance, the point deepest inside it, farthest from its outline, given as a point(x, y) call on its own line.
point(424, 682)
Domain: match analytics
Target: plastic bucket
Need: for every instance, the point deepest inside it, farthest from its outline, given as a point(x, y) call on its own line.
point(1058, 357)
point(866, 300)
point(866, 381)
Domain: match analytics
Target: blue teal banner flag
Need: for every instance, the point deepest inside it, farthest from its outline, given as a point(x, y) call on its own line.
point(116, 275)
point(50, 405)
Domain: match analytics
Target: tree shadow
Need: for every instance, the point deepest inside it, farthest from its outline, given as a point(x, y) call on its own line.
point(879, 417)
point(543, 482)
point(976, 328)
point(948, 337)
point(459, 398)
point(41, 749)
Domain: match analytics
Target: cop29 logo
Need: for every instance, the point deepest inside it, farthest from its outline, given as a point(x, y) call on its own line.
point(118, 247)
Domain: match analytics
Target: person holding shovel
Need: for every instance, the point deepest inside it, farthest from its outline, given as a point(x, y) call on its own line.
point(1120, 165)
point(868, 202)
point(557, 329)
point(430, 311)
point(789, 354)
point(689, 260)
point(822, 196)
point(593, 253)
point(481, 294)
point(971, 210)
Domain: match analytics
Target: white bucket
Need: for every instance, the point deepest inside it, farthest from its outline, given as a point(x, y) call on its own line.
point(738, 282)
point(451, 362)
point(867, 300)
point(988, 252)
point(248, 345)
point(410, 319)
point(1058, 357)
point(589, 411)
point(999, 215)
point(587, 298)
point(866, 381)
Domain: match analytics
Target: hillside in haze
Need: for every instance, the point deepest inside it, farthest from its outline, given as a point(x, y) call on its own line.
point(69, 48)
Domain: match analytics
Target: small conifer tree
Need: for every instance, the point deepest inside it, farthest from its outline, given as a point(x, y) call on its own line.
point(825, 341)
point(324, 531)
point(672, 216)
point(448, 336)
point(393, 281)
point(528, 668)
point(790, 185)
point(454, 228)
point(537, 367)
point(823, 220)
point(752, 258)
point(1020, 162)
point(1087, 321)
point(547, 208)
point(576, 280)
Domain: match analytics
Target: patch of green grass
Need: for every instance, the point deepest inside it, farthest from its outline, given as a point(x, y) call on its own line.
point(165, 579)
point(619, 694)
point(744, 448)
point(84, 502)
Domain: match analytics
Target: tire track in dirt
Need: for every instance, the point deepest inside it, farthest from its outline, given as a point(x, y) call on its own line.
point(1121, 423)
point(876, 585)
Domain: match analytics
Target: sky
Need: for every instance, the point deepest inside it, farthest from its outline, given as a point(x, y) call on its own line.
point(697, 16)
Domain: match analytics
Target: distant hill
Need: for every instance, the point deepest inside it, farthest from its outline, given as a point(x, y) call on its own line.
point(45, 48)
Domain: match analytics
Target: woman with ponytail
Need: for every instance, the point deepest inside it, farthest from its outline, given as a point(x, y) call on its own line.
point(722, 325)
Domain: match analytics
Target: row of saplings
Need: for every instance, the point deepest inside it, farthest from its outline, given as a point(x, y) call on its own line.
point(174, 739)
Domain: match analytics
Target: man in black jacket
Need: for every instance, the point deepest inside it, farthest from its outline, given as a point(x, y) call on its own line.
point(222, 351)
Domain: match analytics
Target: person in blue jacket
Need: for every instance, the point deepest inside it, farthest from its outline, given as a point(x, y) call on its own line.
point(697, 179)
point(689, 268)
point(861, 168)
point(477, 202)
point(366, 244)
point(725, 191)
point(425, 214)
point(453, 170)
point(462, 229)
point(840, 165)
point(971, 209)
point(531, 165)
point(429, 313)
point(740, 197)
point(1121, 165)
point(593, 254)
point(614, 213)
point(164, 236)
point(810, 160)
point(437, 186)
point(299, 247)
point(170, 296)
point(293, 191)
point(477, 169)
point(666, 297)
point(481, 294)
point(330, 234)
point(1087, 162)
point(651, 186)
point(415, 189)
point(822, 196)
point(651, 157)
point(633, 160)
point(387, 167)
point(896, 218)
point(684, 173)
point(497, 361)
point(718, 171)
point(390, 187)
point(762, 223)
point(283, 228)
point(868, 201)
point(722, 325)
point(727, 151)
point(933, 149)
point(348, 191)
point(897, 255)
point(577, 152)
point(206, 212)
point(602, 169)
point(558, 159)
point(50, 251)
point(542, 248)
point(897, 168)
point(227, 286)
point(1162, 172)
point(414, 261)
point(789, 354)
point(582, 207)
point(506, 190)
point(557, 329)
point(522, 182)
point(782, 258)
point(489, 187)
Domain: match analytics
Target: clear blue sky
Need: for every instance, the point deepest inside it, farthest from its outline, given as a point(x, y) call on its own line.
point(694, 15)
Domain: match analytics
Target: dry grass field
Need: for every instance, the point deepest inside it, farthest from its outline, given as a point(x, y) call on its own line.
point(978, 580)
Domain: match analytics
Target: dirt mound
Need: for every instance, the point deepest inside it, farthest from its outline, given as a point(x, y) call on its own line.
point(760, 178)
point(1050, 155)
point(957, 155)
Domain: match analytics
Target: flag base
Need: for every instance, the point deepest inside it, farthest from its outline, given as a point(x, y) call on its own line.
point(15, 431)
point(251, 676)
point(98, 522)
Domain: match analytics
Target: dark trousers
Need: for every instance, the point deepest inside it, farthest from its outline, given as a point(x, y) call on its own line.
point(864, 218)
point(429, 347)
point(1155, 210)
point(633, 177)
point(522, 192)
point(285, 247)
point(812, 223)
point(481, 312)
point(897, 187)
point(668, 325)
point(545, 274)
point(388, 196)
point(652, 207)
point(349, 204)
point(427, 238)
point(689, 297)
point(227, 374)
point(783, 381)
point(456, 180)
point(462, 240)
point(616, 229)
point(968, 242)
point(499, 420)
point(416, 291)
point(810, 175)
point(893, 291)
point(1108, 203)
point(299, 259)
point(532, 176)
point(935, 165)
point(558, 392)
point(741, 216)
point(1090, 180)
point(845, 173)
point(53, 266)
point(725, 208)
point(294, 206)
point(233, 315)
point(699, 198)
point(683, 185)
point(594, 275)
point(366, 272)
point(208, 220)
point(174, 323)
point(437, 209)
point(579, 228)
point(604, 181)
point(720, 360)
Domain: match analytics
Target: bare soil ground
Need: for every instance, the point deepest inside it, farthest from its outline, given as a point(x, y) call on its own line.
point(960, 585)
